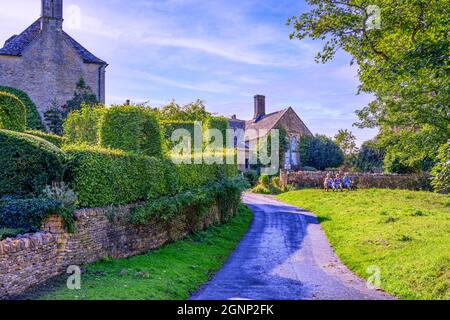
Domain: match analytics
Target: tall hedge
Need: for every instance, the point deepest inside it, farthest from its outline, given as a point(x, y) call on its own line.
point(131, 128)
point(169, 127)
point(28, 164)
point(12, 113)
point(50, 137)
point(218, 123)
point(103, 177)
point(82, 126)
point(34, 121)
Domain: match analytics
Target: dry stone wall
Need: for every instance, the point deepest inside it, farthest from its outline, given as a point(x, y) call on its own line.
point(32, 259)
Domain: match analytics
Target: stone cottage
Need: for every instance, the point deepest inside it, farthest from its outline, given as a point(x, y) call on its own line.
point(287, 119)
point(46, 63)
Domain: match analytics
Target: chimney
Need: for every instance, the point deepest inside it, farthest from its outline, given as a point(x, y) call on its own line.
point(260, 106)
point(52, 15)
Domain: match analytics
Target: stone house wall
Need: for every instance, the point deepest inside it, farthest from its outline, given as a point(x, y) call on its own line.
point(32, 259)
point(304, 179)
point(50, 69)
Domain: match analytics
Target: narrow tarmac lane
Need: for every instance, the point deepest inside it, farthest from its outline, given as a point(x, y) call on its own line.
point(284, 256)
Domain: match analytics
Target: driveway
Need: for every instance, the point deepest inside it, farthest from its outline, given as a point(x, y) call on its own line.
point(284, 256)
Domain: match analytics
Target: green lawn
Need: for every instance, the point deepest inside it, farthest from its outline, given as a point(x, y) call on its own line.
point(405, 233)
point(170, 273)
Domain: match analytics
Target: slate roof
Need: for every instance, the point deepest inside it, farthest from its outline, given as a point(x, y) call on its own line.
point(266, 122)
point(16, 45)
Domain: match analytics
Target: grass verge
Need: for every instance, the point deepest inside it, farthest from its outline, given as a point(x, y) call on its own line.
point(170, 273)
point(404, 233)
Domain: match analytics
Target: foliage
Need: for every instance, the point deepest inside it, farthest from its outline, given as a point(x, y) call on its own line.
point(252, 177)
point(320, 152)
point(369, 158)
point(194, 111)
point(52, 138)
point(59, 191)
point(346, 140)
point(441, 172)
point(10, 233)
point(12, 113)
point(103, 177)
point(34, 121)
point(355, 225)
point(218, 123)
point(169, 127)
point(54, 118)
point(175, 270)
point(227, 192)
point(403, 63)
point(83, 95)
point(28, 214)
point(28, 164)
point(268, 186)
point(131, 128)
point(82, 126)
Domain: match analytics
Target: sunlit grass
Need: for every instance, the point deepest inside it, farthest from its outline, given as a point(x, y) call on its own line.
point(405, 233)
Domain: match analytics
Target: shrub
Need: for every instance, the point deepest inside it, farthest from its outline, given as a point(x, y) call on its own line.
point(252, 177)
point(82, 126)
point(264, 181)
point(441, 172)
point(169, 127)
point(28, 214)
point(12, 113)
point(28, 164)
point(33, 121)
point(369, 158)
point(131, 128)
point(50, 137)
point(103, 177)
point(10, 233)
point(320, 152)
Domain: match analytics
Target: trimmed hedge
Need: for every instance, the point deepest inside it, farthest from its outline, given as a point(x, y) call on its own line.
point(34, 121)
point(82, 126)
point(28, 214)
point(103, 177)
point(219, 123)
point(50, 137)
point(169, 127)
point(131, 128)
point(28, 164)
point(12, 113)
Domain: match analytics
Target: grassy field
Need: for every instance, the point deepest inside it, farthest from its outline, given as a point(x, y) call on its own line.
point(405, 233)
point(171, 273)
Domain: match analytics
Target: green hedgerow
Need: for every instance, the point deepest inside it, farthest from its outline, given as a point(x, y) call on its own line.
point(131, 128)
point(169, 127)
point(103, 177)
point(34, 121)
point(82, 126)
point(12, 113)
point(50, 137)
point(28, 164)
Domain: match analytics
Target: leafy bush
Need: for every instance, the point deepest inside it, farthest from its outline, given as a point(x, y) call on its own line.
point(50, 137)
point(252, 177)
point(28, 214)
point(82, 126)
point(34, 121)
point(320, 152)
point(131, 128)
point(227, 192)
point(12, 113)
point(169, 127)
point(10, 233)
point(218, 123)
point(59, 191)
point(441, 172)
point(369, 158)
point(28, 164)
point(264, 181)
point(103, 177)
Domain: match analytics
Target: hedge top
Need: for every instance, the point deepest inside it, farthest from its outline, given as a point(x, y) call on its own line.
point(12, 113)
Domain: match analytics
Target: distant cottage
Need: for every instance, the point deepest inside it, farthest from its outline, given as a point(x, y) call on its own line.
point(287, 119)
point(46, 63)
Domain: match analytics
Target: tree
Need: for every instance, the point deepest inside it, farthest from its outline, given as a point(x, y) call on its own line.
point(54, 118)
point(369, 158)
point(403, 63)
point(194, 111)
point(320, 152)
point(346, 141)
point(441, 172)
point(83, 95)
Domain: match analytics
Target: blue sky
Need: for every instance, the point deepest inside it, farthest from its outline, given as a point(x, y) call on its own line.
point(223, 52)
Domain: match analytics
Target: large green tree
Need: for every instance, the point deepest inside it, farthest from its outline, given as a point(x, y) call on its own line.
point(194, 111)
point(403, 61)
point(320, 152)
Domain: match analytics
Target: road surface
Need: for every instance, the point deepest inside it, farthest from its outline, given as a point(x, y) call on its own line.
point(284, 256)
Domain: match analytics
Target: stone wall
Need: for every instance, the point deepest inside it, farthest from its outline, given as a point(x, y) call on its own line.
point(32, 259)
point(305, 179)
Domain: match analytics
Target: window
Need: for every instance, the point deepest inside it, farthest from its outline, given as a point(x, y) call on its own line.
point(294, 151)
